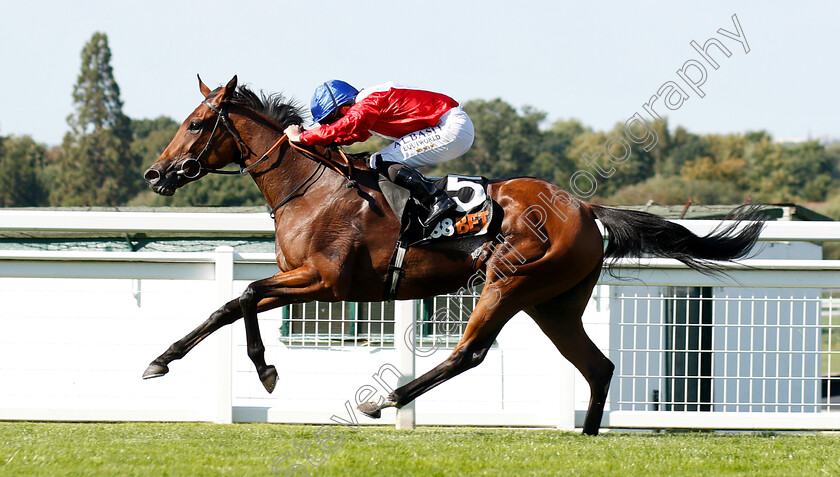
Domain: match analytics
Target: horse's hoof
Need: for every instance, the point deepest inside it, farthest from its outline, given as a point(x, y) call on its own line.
point(370, 409)
point(155, 370)
point(269, 378)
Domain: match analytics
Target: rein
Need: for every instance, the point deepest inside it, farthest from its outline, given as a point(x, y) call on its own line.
point(192, 167)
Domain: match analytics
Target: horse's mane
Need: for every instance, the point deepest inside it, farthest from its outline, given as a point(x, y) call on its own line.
point(274, 106)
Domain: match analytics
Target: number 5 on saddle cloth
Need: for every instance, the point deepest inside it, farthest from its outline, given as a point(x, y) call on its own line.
point(473, 217)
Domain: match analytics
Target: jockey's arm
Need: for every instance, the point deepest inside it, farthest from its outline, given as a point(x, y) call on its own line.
point(352, 127)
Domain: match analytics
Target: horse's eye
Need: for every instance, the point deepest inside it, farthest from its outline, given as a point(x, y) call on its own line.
point(194, 126)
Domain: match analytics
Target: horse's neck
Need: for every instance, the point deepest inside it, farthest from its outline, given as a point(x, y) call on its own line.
point(285, 173)
point(288, 173)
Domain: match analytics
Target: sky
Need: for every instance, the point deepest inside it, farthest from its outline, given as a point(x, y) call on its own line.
point(598, 62)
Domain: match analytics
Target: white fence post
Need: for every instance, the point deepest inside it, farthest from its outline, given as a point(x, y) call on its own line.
point(405, 322)
point(224, 338)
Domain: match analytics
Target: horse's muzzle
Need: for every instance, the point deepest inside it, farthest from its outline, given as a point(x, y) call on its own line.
point(168, 180)
point(152, 176)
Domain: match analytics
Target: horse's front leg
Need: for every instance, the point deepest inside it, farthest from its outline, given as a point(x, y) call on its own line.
point(289, 287)
point(225, 315)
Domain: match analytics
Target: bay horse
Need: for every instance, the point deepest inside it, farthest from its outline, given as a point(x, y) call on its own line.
point(335, 236)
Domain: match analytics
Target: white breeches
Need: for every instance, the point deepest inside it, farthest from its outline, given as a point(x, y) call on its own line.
point(451, 137)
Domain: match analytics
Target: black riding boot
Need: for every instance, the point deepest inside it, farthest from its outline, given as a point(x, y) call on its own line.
point(425, 192)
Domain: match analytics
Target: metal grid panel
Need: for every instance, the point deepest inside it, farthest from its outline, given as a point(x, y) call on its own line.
point(441, 322)
point(442, 319)
point(725, 349)
point(713, 349)
point(338, 325)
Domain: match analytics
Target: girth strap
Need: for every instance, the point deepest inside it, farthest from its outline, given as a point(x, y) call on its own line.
point(395, 271)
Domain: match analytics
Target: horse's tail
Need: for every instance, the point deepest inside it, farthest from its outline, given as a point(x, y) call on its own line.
point(635, 234)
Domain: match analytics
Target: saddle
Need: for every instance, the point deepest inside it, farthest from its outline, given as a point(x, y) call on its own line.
point(473, 216)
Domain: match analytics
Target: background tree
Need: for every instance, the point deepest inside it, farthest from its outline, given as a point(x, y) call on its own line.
point(677, 190)
point(506, 142)
point(21, 160)
point(149, 138)
point(804, 172)
point(96, 166)
point(211, 191)
point(552, 162)
point(104, 154)
point(633, 170)
point(685, 147)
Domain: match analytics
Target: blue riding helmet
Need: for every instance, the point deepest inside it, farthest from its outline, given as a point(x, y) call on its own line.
point(329, 96)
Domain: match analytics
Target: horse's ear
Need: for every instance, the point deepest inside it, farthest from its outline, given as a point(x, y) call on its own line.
point(228, 90)
point(203, 87)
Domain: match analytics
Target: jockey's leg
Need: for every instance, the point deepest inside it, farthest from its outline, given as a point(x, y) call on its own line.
point(450, 138)
point(422, 189)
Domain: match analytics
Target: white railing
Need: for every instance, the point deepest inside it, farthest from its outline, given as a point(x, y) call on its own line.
point(730, 352)
point(176, 287)
point(259, 222)
point(227, 269)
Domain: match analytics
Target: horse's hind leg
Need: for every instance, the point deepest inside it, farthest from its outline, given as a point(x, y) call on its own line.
point(560, 319)
point(225, 315)
point(484, 325)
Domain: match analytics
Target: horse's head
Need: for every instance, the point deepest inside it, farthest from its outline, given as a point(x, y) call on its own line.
point(199, 145)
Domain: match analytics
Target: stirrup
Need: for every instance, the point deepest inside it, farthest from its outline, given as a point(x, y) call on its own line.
point(440, 207)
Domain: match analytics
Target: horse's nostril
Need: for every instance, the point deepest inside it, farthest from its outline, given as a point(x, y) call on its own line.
point(151, 176)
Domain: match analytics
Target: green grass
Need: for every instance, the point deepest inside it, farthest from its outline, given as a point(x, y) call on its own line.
point(197, 449)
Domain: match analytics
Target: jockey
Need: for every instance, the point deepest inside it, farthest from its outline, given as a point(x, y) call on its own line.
point(427, 128)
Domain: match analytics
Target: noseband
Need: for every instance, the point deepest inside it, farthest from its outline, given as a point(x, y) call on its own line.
point(192, 167)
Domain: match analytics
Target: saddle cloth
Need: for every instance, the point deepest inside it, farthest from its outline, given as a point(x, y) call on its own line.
point(472, 216)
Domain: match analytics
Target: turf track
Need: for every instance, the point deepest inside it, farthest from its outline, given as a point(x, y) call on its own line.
point(197, 449)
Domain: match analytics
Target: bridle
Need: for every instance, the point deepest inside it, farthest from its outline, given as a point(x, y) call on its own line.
point(192, 167)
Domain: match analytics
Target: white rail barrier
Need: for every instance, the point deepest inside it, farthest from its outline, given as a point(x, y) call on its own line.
point(260, 223)
point(214, 392)
point(223, 266)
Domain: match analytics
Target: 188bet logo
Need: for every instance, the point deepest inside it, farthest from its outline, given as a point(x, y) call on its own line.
point(444, 227)
point(467, 224)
